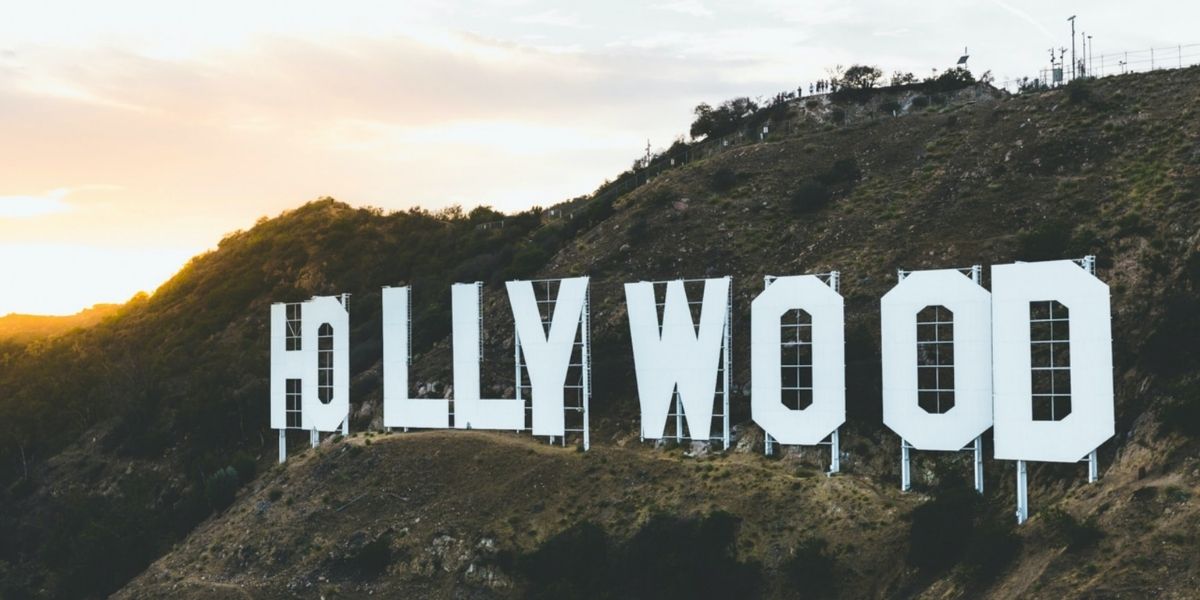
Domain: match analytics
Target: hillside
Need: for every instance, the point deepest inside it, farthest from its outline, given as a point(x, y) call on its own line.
point(22, 329)
point(118, 436)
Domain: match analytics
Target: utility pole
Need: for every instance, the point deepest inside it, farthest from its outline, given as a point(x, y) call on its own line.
point(1083, 65)
point(1091, 49)
point(1072, 20)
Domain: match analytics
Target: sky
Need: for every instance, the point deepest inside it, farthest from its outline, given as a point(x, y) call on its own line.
point(134, 135)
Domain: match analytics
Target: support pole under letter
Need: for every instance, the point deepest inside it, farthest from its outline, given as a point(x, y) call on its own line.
point(835, 453)
point(979, 464)
point(282, 446)
point(1022, 493)
point(905, 473)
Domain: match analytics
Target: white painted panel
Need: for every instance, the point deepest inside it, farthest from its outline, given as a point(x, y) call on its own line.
point(471, 411)
point(970, 304)
point(281, 368)
point(1091, 422)
point(318, 415)
point(398, 409)
point(548, 358)
point(828, 410)
point(678, 356)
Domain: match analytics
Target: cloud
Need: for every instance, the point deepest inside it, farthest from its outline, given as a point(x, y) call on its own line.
point(25, 207)
point(687, 7)
point(1024, 16)
point(552, 17)
point(52, 202)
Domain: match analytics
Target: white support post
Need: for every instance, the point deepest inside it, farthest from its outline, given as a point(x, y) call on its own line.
point(977, 277)
point(282, 446)
point(314, 438)
point(1022, 493)
point(905, 471)
point(835, 453)
point(678, 418)
point(517, 368)
point(1093, 467)
point(766, 443)
point(979, 464)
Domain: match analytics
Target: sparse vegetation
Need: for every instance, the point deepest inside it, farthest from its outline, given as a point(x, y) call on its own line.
point(724, 179)
point(1075, 534)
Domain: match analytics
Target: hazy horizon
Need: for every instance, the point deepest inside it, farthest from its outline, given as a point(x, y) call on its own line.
point(138, 134)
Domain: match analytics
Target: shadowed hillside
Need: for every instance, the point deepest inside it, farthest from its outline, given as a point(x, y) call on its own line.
point(129, 434)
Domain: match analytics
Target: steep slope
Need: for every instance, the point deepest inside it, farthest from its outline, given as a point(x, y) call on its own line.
point(172, 390)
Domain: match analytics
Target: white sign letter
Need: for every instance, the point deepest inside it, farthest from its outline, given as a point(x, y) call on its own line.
point(470, 411)
point(398, 409)
point(1052, 352)
point(676, 356)
point(936, 330)
point(548, 357)
point(815, 365)
point(310, 364)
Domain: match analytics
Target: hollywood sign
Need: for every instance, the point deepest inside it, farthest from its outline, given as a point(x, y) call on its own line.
point(1031, 359)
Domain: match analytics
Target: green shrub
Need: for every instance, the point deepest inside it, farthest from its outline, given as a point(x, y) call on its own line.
point(245, 466)
point(992, 549)
point(1164, 351)
point(920, 102)
point(723, 179)
point(1181, 414)
point(811, 570)
point(668, 557)
point(221, 488)
point(941, 529)
point(368, 561)
point(809, 197)
point(1047, 241)
point(571, 564)
point(843, 170)
point(637, 229)
point(1079, 91)
point(838, 114)
point(1068, 530)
